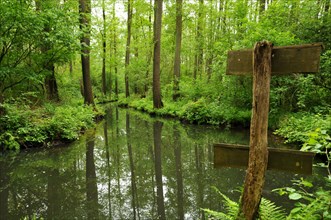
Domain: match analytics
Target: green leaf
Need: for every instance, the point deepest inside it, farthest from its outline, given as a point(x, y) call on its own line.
point(290, 189)
point(295, 210)
point(295, 196)
point(306, 183)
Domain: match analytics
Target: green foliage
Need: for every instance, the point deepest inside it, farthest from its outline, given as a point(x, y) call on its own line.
point(24, 126)
point(309, 205)
point(296, 127)
point(32, 39)
point(68, 121)
point(201, 111)
point(319, 141)
point(313, 206)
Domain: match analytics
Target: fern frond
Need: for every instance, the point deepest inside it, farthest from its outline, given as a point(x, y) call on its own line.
point(231, 207)
point(217, 215)
point(269, 210)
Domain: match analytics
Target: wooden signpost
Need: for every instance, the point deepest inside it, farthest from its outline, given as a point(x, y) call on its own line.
point(229, 155)
point(263, 61)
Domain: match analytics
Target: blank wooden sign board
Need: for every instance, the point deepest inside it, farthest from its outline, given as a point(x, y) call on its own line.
point(289, 59)
point(230, 155)
point(262, 62)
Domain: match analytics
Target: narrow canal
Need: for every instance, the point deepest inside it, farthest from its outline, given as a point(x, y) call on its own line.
point(131, 166)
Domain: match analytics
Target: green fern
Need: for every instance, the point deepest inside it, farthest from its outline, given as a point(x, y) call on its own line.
point(268, 210)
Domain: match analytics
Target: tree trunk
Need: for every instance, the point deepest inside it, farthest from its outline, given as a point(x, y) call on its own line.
point(104, 45)
point(198, 60)
point(157, 102)
point(262, 6)
point(149, 56)
point(127, 50)
point(258, 153)
point(85, 27)
point(177, 62)
point(50, 79)
point(136, 55)
point(51, 84)
point(115, 51)
point(212, 32)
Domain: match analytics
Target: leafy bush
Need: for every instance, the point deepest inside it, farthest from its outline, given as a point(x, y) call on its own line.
point(296, 127)
point(23, 126)
point(68, 121)
point(319, 141)
point(312, 206)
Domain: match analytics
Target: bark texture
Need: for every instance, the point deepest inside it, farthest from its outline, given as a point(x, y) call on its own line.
point(258, 153)
point(157, 102)
point(179, 4)
point(127, 50)
point(85, 26)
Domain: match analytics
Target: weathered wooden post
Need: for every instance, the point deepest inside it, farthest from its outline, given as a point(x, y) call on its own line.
point(258, 153)
point(266, 60)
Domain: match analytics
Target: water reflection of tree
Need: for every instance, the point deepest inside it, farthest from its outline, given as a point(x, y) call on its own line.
point(179, 175)
point(134, 194)
point(92, 205)
point(53, 193)
point(157, 130)
point(4, 190)
point(105, 133)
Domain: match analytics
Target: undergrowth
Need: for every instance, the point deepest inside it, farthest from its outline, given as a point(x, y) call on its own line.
point(23, 126)
point(313, 206)
point(201, 111)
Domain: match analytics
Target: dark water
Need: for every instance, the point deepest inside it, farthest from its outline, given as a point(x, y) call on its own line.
point(129, 167)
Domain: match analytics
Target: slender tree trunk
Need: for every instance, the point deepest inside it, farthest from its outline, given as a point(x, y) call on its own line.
point(212, 24)
point(115, 67)
point(136, 55)
point(115, 50)
point(262, 6)
point(104, 46)
point(177, 61)
point(258, 152)
point(2, 109)
point(127, 50)
point(198, 60)
point(71, 70)
point(157, 101)
point(51, 84)
point(149, 56)
point(85, 27)
point(50, 79)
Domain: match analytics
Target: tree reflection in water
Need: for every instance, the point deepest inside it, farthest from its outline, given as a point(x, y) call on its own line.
point(129, 166)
